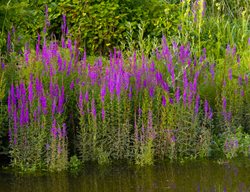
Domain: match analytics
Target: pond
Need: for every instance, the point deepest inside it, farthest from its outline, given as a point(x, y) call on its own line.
point(190, 176)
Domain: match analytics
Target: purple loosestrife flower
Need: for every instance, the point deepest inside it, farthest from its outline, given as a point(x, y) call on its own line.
point(185, 79)
point(184, 96)
point(165, 86)
point(144, 83)
point(150, 125)
point(9, 42)
point(59, 133)
point(182, 54)
point(69, 67)
point(138, 80)
point(72, 84)
point(93, 108)
point(26, 118)
point(80, 103)
point(118, 86)
point(39, 87)
point(30, 90)
point(136, 130)
point(64, 130)
point(59, 149)
point(43, 103)
point(195, 61)
point(195, 82)
point(60, 62)
point(242, 93)
point(173, 139)
point(69, 45)
point(173, 76)
point(61, 101)
point(177, 95)
point(103, 113)
point(152, 66)
point(240, 80)
point(230, 75)
point(158, 55)
point(163, 101)
point(212, 71)
point(151, 91)
point(18, 94)
point(224, 103)
point(64, 25)
point(12, 94)
point(210, 113)
point(103, 93)
point(26, 53)
point(9, 104)
point(158, 77)
point(190, 95)
point(130, 94)
point(139, 112)
point(126, 77)
point(246, 79)
point(47, 16)
point(51, 88)
point(197, 104)
point(206, 108)
point(238, 59)
point(87, 97)
point(53, 107)
point(228, 49)
point(53, 130)
point(234, 51)
point(171, 101)
point(63, 42)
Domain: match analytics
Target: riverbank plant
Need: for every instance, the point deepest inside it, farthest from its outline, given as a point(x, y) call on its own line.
point(173, 99)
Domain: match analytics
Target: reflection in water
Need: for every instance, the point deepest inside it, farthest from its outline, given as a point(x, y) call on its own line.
point(195, 176)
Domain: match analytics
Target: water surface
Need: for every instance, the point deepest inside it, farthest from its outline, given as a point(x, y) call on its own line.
point(191, 176)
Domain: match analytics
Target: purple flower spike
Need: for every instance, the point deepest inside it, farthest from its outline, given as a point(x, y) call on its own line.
point(130, 94)
point(240, 80)
point(163, 101)
point(72, 84)
point(171, 101)
point(184, 96)
point(151, 92)
point(54, 129)
point(212, 70)
point(43, 103)
point(61, 101)
point(9, 42)
point(80, 104)
point(197, 104)
point(206, 108)
point(230, 76)
point(64, 130)
point(53, 108)
point(87, 97)
point(246, 79)
point(177, 95)
point(103, 93)
point(224, 104)
point(93, 108)
point(103, 113)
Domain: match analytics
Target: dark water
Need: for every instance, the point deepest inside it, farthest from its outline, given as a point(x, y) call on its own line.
point(194, 176)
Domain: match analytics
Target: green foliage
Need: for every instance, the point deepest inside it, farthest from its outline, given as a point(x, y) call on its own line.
point(74, 163)
point(236, 143)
